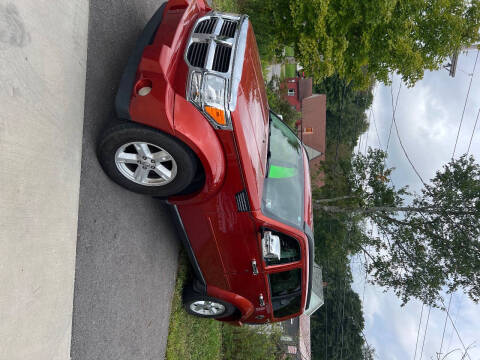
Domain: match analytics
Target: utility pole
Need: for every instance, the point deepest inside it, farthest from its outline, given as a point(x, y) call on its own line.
point(452, 65)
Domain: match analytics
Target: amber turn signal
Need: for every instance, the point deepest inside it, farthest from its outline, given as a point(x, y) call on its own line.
point(216, 114)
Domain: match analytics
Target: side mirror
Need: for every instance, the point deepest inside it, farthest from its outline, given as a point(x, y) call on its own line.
point(271, 245)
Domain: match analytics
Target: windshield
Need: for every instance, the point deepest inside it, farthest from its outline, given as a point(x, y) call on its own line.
point(283, 191)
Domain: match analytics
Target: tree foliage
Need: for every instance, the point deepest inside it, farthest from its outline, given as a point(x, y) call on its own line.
point(422, 246)
point(247, 343)
point(368, 38)
point(346, 106)
point(278, 103)
point(336, 328)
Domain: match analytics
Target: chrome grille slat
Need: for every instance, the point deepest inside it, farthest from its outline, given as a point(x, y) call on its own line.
point(211, 26)
point(206, 26)
point(228, 28)
point(221, 59)
point(196, 54)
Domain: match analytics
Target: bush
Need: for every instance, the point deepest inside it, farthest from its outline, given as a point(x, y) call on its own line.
point(250, 343)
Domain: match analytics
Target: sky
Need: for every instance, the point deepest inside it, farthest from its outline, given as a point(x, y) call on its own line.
point(428, 117)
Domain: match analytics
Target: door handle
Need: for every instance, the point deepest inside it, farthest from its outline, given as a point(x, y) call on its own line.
point(261, 300)
point(254, 267)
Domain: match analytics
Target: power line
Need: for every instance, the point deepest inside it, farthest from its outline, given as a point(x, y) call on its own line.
point(394, 111)
point(473, 132)
point(368, 122)
point(450, 337)
point(418, 332)
point(445, 324)
point(343, 303)
point(376, 130)
point(425, 334)
point(423, 182)
point(458, 335)
point(326, 311)
point(403, 147)
point(340, 125)
point(368, 131)
point(465, 105)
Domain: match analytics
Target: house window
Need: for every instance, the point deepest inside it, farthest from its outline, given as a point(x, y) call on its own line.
point(308, 130)
point(291, 92)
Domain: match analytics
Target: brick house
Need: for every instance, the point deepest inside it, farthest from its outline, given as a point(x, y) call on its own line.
point(311, 129)
point(298, 88)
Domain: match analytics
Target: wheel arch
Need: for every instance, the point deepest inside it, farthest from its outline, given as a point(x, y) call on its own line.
point(191, 127)
point(244, 305)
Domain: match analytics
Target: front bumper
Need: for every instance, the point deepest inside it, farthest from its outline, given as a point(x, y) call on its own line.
point(122, 100)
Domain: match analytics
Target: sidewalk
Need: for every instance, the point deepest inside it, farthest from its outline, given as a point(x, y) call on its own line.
point(42, 83)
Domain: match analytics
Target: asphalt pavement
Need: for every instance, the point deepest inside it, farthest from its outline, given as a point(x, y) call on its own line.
point(127, 246)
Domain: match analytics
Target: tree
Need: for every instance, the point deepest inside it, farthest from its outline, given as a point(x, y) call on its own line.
point(422, 242)
point(279, 105)
point(369, 38)
point(368, 352)
point(346, 107)
point(247, 343)
point(337, 327)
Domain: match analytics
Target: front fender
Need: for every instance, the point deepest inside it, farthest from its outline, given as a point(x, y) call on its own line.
point(193, 129)
point(241, 303)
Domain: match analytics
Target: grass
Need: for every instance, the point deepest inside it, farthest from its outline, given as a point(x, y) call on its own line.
point(192, 338)
point(290, 70)
point(289, 51)
point(226, 5)
point(189, 337)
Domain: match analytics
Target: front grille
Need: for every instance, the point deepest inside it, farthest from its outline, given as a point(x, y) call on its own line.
point(228, 28)
point(242, 201)
point(197, 54)
point(206, 26)
point(221, 59)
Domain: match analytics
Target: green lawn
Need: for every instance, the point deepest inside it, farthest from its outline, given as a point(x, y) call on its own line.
point(290, 70)
point(226, 5)
point(189, 337)
point(289, 51)
point(192, 338)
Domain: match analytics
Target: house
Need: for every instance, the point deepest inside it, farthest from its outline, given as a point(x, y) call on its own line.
point(312, 126)
point(312, 130)
point(298, 88)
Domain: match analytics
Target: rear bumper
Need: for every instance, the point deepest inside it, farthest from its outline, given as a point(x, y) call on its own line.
point(124, 94)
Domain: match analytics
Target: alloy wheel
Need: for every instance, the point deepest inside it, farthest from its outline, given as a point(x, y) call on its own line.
point(145, 164)
point(208, 308)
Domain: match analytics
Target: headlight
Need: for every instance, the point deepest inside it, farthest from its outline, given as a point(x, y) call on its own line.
point(214, 98)
point(196, 88)
point(209, 95)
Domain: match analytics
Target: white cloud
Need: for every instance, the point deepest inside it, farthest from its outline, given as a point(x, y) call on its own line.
point(428, 118)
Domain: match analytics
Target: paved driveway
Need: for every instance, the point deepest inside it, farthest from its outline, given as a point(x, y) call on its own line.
point(127, 246)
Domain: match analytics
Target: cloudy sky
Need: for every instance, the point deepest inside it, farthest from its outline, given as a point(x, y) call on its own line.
point(428, 117)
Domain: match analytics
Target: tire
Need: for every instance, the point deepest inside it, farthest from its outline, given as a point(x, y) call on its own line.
point(206, 306)
point(145, 160)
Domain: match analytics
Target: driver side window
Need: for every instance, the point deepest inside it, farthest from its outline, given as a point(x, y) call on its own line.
point(289, 250)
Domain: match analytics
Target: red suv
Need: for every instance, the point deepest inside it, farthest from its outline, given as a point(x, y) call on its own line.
point(196, 129)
